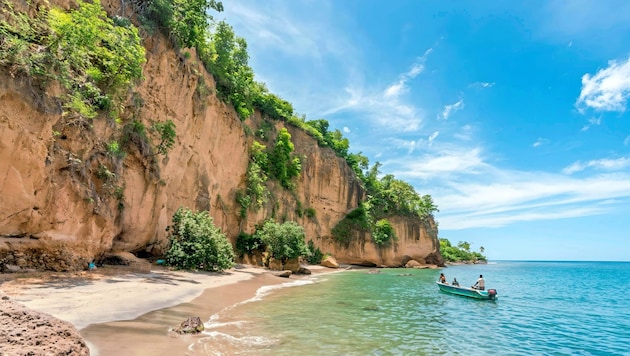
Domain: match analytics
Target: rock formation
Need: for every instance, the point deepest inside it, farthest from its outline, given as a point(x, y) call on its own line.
point(27, 332)
point(57, 213)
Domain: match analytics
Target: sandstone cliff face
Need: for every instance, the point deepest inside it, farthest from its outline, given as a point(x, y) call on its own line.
point(56, 213)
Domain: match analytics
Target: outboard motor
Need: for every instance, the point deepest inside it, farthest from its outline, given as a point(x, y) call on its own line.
point(492, 293)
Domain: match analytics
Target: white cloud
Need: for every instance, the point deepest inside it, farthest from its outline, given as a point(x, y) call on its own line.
point(608, 89)
point(626, 141)
point(594, 121)
point(385, 107)
point(465, 133)
point(441, 163)
point(539, 142)
point(472, 193)
point(346, 129)
point(400, 86)
point(434, 136)
point(481, 85)
point(515, 196)
point(600, 164)
point(453, 108)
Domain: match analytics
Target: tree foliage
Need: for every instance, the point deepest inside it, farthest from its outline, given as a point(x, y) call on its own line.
point(315, 255)
point(284, 165)
point(383, 232)
point(185, 21)
point(226, 58)
point(284, 241)
point(97, 59)
point(166, 134)
point(196, 244)
point(461, 252)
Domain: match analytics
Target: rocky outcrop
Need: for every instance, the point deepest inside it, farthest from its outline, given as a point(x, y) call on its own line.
point(58, 213)
point(27, 332)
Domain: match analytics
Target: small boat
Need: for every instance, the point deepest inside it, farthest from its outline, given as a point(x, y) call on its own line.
point(490, 294)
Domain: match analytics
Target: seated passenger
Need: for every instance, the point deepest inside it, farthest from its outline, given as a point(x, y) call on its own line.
point(442, 278)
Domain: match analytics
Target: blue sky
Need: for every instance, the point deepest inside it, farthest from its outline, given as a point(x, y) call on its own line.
point(512, 115)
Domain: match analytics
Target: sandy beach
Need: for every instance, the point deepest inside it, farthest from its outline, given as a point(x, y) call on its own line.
point(130, 313)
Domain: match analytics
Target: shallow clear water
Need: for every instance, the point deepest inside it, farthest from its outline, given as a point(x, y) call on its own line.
point(544, 308)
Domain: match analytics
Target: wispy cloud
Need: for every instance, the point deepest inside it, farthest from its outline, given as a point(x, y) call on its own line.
point(286, 30)
point(541, 141)
point(626, 142)
point(607, 164)
point(451, 109)
point(606, 90)
point(594, 121)
point(471, 192)
point(522, 196)
point(400, 86)
point(386, 106)
point(481, 85)
point(464, 133)
point(515, 196)
point(441, 163)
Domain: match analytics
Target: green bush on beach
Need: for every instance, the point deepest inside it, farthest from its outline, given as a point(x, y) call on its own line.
point(196, 244)
point(284, 241)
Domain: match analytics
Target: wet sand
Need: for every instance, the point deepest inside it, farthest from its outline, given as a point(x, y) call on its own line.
point(122, 313)
point(149, 334)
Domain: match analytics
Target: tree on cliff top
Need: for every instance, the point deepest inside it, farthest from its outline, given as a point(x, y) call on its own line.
point(196, 244)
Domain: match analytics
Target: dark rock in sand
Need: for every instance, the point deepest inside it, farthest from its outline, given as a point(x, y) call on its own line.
point(192, 325)
point(284, 274)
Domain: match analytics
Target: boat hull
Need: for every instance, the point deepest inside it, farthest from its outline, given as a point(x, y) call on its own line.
point(490, 294)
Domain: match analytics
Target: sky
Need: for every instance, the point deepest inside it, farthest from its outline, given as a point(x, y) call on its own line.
point(513, 116)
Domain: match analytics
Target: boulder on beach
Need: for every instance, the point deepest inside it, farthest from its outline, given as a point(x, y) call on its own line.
point(27, 332)
point(192, 325)
point(329, 262)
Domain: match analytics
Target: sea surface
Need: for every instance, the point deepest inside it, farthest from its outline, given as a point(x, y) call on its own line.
point(544, 308)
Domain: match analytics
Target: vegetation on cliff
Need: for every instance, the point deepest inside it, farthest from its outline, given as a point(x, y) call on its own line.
point(461, 252)
point(96, 60)
point(225, 56)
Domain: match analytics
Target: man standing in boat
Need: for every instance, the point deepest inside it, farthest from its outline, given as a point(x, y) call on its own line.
point(481, 283)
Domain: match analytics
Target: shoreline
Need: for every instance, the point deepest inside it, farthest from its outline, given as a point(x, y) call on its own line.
point(119, 312)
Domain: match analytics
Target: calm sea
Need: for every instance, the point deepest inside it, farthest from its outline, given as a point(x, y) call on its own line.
point(544, 308)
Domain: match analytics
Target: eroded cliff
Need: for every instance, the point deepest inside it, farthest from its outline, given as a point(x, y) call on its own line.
point(64, 202)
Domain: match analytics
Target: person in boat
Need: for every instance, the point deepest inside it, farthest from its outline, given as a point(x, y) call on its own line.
point(455, 282)
point(442, 278)
point(481, 283)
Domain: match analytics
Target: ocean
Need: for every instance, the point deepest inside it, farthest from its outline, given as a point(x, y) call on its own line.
point(544, 308)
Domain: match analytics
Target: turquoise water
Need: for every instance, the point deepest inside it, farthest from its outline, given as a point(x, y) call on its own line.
point(544, 308)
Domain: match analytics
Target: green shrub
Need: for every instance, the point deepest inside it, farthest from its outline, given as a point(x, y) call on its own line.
point(97, 58)
point(283, 241)
point(383, 232)
point(315, 254)
point(310, 212)
point(196, 244)
point(284, 165)
point(247, 244)
point(166, 136)
point(356, 220)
